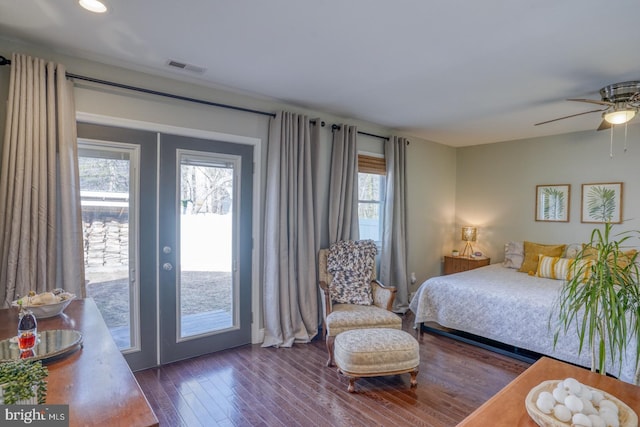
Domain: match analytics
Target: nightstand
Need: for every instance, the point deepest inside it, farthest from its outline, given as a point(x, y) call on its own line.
point(456, 264)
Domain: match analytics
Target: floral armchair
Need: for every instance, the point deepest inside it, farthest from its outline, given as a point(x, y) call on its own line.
point(352, 304)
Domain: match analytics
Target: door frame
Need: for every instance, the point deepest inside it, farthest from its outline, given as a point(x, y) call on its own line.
point(257, 328)
point(143, 271)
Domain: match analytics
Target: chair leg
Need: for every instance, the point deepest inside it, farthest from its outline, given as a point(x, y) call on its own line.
point(329, 341)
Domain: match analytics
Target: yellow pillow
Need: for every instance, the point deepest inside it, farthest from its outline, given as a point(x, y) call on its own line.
point(533, 250)
point(562, 268)
point(623, 258)
point(589, 252)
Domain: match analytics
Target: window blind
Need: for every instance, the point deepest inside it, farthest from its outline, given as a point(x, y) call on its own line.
point(371, 164)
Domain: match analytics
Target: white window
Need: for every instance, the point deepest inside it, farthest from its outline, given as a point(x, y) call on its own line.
point(371, 187)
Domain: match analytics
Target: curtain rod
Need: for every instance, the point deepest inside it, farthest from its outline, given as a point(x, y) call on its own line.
point(5, 61)
point(336, 127)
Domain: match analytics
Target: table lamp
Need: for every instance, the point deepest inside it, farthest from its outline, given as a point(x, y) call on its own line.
point(469, 235)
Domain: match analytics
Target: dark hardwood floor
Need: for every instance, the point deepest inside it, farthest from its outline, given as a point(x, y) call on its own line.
point(255, 386)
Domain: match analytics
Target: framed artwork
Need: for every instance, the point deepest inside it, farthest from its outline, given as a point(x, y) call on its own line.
point(602, 202)
point(552, 202)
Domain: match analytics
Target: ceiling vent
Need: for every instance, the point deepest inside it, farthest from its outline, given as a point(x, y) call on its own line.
point(186, 67)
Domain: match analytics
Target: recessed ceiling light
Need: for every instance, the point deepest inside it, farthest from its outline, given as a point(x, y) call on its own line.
point(93, 6)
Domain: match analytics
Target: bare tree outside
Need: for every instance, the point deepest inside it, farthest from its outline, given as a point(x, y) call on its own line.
point(106, 175)
point(206, 190)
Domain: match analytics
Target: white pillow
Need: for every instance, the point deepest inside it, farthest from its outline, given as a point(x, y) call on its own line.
point(572, 250)
point(513, 254)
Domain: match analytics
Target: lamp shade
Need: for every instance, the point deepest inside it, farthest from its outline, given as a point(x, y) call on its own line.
point(469, 234)
point(619, 117)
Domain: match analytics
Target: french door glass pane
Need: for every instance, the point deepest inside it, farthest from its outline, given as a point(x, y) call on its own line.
point(206, 291)
point(105, 191)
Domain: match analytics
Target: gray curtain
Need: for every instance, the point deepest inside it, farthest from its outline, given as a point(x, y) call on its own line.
point(343, 185)
point(393, 257)
point(40, 221)
point(289, 281)
point(321, 158)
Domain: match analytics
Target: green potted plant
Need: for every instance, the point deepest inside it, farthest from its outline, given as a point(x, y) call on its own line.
point(601, 299)
point(23, 380)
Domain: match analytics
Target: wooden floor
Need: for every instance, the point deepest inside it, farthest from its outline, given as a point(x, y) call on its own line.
point(255, 386)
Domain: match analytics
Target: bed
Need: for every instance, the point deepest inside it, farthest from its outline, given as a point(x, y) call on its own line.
point(507, 306)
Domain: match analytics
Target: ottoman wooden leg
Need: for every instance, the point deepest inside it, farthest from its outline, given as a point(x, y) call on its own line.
point(414, 378)
point(351, 388)
point(352, 385)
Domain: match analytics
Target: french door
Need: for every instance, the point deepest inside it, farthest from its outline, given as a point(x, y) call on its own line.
point(167, 225)
point(205, 239)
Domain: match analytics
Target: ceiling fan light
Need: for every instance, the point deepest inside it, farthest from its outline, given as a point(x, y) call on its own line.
point(619, 117)
point(95, 6)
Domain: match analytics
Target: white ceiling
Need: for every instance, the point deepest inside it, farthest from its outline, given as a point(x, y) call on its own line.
point(455, 72)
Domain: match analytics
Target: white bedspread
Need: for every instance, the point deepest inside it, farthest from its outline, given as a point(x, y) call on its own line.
point(504, 305)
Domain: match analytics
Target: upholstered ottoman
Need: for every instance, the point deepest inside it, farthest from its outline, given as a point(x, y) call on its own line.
point(376, 352)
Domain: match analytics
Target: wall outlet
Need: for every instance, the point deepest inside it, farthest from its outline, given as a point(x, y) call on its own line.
point(413, 278)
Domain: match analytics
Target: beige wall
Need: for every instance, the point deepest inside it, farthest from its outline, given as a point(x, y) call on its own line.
point(431, 166)
point(491, 186)
point(496, 185)
point(431, 207)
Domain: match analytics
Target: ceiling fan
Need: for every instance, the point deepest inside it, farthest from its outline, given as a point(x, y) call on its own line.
point(621, 102)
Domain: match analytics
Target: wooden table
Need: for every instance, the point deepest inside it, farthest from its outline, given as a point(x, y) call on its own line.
point(507, 407)
point(95, 380)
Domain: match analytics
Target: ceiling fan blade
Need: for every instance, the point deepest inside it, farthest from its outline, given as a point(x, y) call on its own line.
point(604, 125)
point(592, 101)
point(572, 115)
